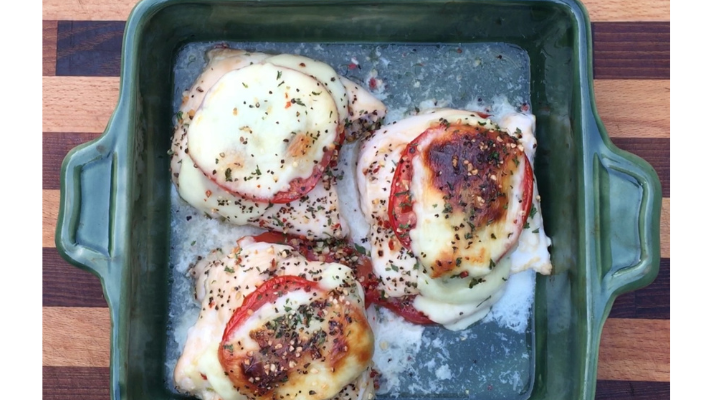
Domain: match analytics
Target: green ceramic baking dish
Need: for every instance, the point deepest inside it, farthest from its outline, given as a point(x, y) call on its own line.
point(602, 207)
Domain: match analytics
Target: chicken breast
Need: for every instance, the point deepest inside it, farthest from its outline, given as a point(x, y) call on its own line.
point(251, 174)
point(274, 325)
point(461, 293)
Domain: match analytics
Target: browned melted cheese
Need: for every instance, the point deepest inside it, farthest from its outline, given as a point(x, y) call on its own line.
point(324, 336)
point(467, 195)
point(474, 166)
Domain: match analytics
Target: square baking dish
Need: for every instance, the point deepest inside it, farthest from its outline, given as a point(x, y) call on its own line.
point(602, 205)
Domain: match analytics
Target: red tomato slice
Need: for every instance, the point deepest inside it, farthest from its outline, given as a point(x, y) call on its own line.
point(340, 251)
point(401, 215)
point(527, 192)
point(268, 292)
point(363, 268)
point(404, 308)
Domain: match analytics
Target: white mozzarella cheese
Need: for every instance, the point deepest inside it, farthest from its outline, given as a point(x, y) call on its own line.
point(321, 71)
point(204, 194)
point(220, 62)
point(260, 127)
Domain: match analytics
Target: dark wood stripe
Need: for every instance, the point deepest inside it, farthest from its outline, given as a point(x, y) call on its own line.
point(631, 50)
point(64, 285)
point(55, 146)
point(89, 48)
point(49, 47)
point(75, 383)
point(655, 151)
point(627, 390)
point(622, 50)
point(93, 383)
point(651, 302)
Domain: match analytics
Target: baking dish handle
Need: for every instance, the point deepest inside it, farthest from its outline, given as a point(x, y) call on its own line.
point(628, 242)
point(83, 235)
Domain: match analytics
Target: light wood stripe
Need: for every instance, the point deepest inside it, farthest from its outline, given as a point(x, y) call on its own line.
point(634, 108)
point(626, 10)
point(87, 10)
point(665, 229)
point(50, 206)
point(628, 108)
point(118, 10)
point(76, 337)
point(632, 349)
point(50, 213)
point(635, 350)
point(78, 104)
point(49, 47)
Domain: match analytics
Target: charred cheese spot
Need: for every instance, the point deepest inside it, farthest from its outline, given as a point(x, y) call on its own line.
point(315, 341)
point(471, 170)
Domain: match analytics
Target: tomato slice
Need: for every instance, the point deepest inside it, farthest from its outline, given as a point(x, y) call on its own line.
point(465, 157)
point(339, 251)
point(268, 292)
point(404, 308)
point(527, 192)
point(401, 214)
point(342, 252)
point(300, 187)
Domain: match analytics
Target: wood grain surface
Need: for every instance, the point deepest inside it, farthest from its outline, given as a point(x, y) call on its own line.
point(81, 52)
point(49, 48)
point(634, 108)
point(118, 10)
point(626, 50)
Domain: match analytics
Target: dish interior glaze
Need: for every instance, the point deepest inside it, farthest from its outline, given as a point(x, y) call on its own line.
point(493, 358)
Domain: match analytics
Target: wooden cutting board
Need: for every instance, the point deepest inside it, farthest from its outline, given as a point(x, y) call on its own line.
point(81, 56)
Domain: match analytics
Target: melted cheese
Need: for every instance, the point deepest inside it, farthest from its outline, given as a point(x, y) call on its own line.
point(318, 70)
point(222, 282)
point(260, 127)
point(451, 238)
point(220, 62)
